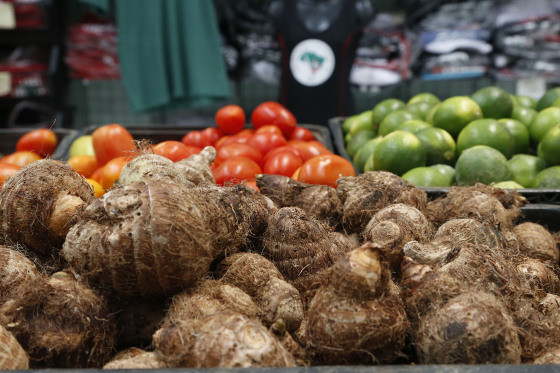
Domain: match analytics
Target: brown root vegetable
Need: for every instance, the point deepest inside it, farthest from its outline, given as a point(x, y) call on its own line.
point(153, 167)
point(302, 248)
point(12, 355)
point(259, 277)
point(61, 323)
point(40, 203)
point(157, 237)
point(225, 340)
point(394, 226)
point(549, 357)
point(356, 317)
point(472, 328)
point(196, 168)
point(135, 358)
point(319, 202)
point(368, 193)
point(542, 277)
point(137, 320)
point(298, 352)
point(15, 272)
point(537, 242)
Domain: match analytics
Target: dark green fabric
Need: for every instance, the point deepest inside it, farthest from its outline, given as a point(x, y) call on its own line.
point(169, 53)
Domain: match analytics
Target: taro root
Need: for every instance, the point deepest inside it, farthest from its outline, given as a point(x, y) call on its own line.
point(40, 203)
point(150, 166)
point(300, 354)
point(537, 242)
point(302, 248)
point(157, 237)
point(61, 323)
point(394, 226)
point(259, 277)
point(225, 340)
point(319, 202)
point(472, 328)
point(549, 357)
point(196, 168)
point(135, 358)
point(16, 272)
point(137, 320)
point(542, 277)
point(12, 355)
point(368, 193)
point(357, 316)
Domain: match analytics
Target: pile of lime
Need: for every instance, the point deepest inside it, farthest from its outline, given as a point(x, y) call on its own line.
point(490, 137)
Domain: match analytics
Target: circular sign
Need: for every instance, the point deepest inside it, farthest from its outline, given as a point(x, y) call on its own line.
point(312, 62)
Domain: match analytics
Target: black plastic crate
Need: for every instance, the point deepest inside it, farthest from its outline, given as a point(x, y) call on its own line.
point(65, 136)
point(335, 126)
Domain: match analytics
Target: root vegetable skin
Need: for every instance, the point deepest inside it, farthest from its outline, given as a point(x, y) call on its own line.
point(16, 271)
point(150, 166)
point(12, 355)
point(196, 168)
point(541, 277)
point(135, 358)
point(537, 242)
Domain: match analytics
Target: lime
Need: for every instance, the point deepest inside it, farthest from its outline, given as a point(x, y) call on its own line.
point(399, 152)
point(446, 170)
point(487, 132)
point(520, 134)
point(523, 114)
point(548, 98)
point(549, 178)
point(439, 144)
point(494, 102)
point(509, 184)
point(524, 168)
point(361, 123)
point(413, 125)
point(426, 177)
point(364, 152)
point(347, 124)
point(393, 119)
point(420, 109)
point(545, 120)
point(83, 145)
point(430, 116)
point(368, 166)
point(383, 108)
point(481, 164)
point(426, 97)
point(549, 147)
point(525, 101)
point(455, 113)
point(357, 140)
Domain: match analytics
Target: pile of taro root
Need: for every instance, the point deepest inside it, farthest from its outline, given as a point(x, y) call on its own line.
point(169, 270)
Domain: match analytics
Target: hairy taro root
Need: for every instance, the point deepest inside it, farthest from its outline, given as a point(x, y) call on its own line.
point(541, 276)
point(12, 355)
point(364, 195)
point(135, 358)
point(61, 323)
point(549, 357)
point(196, 168)
point(16, 272)
point(40, 203)
point(537, 242)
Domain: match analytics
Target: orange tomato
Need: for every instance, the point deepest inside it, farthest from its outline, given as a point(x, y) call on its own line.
point(112, 141)
point(325, 169)
point(85, 165)
point(111, 171)
point(41, 141)
point(97, 174)
point(6, 171)
point(21, 158)
point(98, 190)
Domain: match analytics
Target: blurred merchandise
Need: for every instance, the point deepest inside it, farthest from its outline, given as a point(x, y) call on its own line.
point(24, 73)
point(23, 14)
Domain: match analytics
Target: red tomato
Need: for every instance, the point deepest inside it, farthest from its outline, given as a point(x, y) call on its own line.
point(175, 150)
point(270, 112)
point(221, 141)
point(230, 119)
point(325, 169)
point(111, 171)
point(21, 158)
point(266, 141)
point(282, 163)
point(84, 164)
point(236, 169)
point(7, 170)
point(238, 150)
point(111, 141)
point(308, 149)
point(193, 138)
point(41, 141)
point(210, 135)
point(240, 137)
point(279, 149)
point(252, 184)
point(301, 133)
point(270, 129)
point(96, 175)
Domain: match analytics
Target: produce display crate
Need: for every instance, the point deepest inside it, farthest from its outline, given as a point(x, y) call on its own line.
point(65, 136)
point(545, 196)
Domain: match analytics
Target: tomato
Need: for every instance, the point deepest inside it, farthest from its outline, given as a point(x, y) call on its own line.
point(96, 175)
point(240, 137)
point(238, 150)
point(193, 138)
point(308, 149)
point(111, 171)
point(41, 141)
point(7, 170)
point(270, 112)
point(325, 169)
point(175, 150)
point(266, 141)
point(112, 141)
point(279, 149)
point(252, 184)
point(230, 119)
point(221, 141)
point(270, 129)
point(85, 165)
point(98, 190)
point(301, 133)
point(282, 163)
point(210, 135)
point(21, 158)
point(236, 169)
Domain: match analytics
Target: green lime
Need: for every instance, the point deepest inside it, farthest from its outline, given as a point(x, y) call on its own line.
point(525, 101)
point(549, 147)
point(549, 178)
point(426, 177)
point(545, 120)
point(430, 116)
point(439, 144)
point(364, 152)
point(357, 140)
point(362, 123)
point(426, 97)
point(548, 98)
point(383, 108)
point(399, 152)
point(347, 124)
point(368, 166)
point(455, 113)
point(524, 168)
point(494, 102)
point(481, 164)
point(420, 109)
point(487, 132)
point(520, 134)
point(446, 170)
point(524, 114)
point(413, 125)
point(393, 120)
point(509, 184)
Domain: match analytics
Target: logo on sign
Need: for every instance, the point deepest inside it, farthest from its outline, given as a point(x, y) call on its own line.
point(312, 62)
